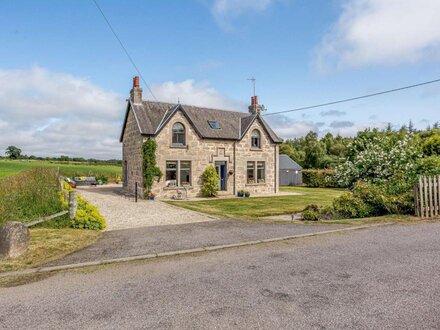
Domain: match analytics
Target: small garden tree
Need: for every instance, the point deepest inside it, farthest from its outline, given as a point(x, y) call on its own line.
point(210, 180)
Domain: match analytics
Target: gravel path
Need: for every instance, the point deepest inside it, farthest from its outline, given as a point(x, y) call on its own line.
point(124, 213)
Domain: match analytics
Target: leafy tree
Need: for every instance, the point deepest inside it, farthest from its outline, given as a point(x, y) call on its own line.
point(13, 152)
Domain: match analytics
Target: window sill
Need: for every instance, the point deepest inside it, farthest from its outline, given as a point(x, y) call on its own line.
point(255, 184)
point(176, 146)
point(256, 149)
point(178, 187)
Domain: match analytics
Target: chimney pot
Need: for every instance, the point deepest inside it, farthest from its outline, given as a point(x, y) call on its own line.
point(135, 82)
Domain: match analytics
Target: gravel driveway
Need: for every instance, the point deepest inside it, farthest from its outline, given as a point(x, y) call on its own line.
point(124, 213)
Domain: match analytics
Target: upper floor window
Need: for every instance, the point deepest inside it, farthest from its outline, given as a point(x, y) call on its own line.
point(256, 139)
point(178, 134)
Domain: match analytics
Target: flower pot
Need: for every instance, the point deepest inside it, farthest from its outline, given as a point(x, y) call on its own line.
point(151, 198)
point(247, 194)
point(240, 194)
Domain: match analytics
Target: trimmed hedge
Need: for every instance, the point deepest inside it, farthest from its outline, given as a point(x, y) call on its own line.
point(319, 178)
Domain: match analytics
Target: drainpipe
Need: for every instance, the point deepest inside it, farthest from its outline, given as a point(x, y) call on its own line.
point(276, 170)
point(235, 172)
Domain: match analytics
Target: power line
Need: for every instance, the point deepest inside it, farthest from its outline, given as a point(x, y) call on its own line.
point(354, 98)
point(125, 50)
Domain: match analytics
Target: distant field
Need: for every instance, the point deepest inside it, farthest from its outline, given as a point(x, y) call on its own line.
point(10, 167)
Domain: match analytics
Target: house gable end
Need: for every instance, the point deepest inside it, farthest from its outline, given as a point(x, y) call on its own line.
point(127, 112)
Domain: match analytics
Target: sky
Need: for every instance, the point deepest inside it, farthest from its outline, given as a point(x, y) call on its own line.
point(64, 79)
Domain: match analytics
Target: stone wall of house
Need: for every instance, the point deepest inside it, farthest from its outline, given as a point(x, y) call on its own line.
point(204, 152)
point(132, 156)
point(268, 153)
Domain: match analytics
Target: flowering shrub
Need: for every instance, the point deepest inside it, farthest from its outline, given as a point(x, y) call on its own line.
point(375, 157)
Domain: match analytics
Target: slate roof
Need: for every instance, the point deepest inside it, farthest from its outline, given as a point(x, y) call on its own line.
point(153, 116)
point(287, 163)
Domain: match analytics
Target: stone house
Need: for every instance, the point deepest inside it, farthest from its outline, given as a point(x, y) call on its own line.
point(241, 146)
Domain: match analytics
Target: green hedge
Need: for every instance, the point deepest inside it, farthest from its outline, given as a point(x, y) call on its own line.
point(319, 178)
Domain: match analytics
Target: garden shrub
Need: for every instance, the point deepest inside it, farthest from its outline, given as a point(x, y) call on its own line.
point(319, 178)
point(350, 206)
point(88, 216)
point(210, 180)
point(429, 165)
point(310, 215)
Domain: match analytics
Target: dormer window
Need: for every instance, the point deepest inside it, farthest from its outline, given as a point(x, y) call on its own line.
point(178, 135)
point(256, 139)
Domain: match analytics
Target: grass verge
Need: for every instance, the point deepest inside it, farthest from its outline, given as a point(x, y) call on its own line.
point(50, 244)
point(263, 206)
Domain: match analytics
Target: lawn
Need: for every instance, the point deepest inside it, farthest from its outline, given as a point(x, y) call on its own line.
point(263, 206)
point(70, 169)
point(50, 244)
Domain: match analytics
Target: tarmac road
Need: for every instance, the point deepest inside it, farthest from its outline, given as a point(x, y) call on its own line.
point(382, 277)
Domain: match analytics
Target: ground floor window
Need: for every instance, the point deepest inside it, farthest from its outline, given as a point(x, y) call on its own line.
point(260, 172)
point(256, 172)
point(250, 172)
point(178, 173)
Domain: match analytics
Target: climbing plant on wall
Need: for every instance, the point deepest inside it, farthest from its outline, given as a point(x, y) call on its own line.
point(149, 167)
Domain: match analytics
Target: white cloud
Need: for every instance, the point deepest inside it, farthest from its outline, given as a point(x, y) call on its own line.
point(190, 92)
point(225, 11)
point(288, 128)
point(382, 32)
point(48, 113)
point(333, 113)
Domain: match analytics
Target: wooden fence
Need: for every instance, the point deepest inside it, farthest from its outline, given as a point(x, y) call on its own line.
point(427, 196)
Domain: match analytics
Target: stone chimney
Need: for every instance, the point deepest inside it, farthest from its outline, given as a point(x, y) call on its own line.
point(136, 92)
point(255, 107)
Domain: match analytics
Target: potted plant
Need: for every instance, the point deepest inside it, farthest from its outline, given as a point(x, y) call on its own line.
point(247, 194)
point(151, 196)
point(240, 193)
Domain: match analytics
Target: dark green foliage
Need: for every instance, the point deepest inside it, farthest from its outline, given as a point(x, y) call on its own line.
point(319, 178)
point(310, 215)
point(429, 165)
point(369, 200)
point(149, 168)
point(351, 206)
point(13, 152)
point(102, 179)
point(210, 180)
point(431, 146)
point(29, 195)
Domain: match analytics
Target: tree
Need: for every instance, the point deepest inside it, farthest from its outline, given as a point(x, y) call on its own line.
point(13, 152)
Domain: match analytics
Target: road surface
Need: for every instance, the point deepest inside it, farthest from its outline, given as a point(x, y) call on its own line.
point(383, 277)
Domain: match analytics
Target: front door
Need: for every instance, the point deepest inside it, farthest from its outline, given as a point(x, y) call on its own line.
point(221, 171)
